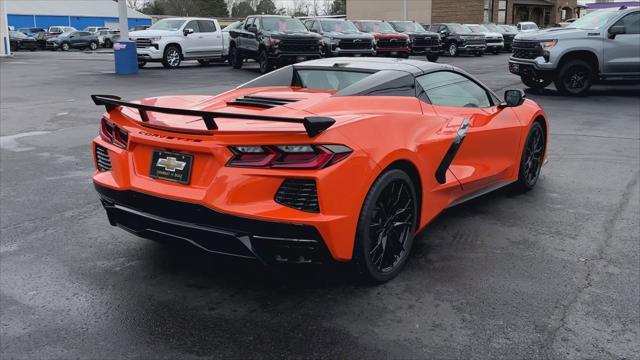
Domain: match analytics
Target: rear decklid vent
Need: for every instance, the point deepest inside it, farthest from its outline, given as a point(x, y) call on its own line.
point(299, 194)
point(261, 101)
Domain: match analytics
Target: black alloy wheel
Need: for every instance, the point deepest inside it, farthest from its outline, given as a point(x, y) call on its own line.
point(263, 61)
point(575, 78)
point(532, 158)
point(107, 43)
point(386, 227)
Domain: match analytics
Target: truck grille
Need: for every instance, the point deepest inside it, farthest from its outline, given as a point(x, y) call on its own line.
point(526, 49)
point(391, 43)
point(425, 41)
point(299, 194)
point(354, 44)
point(494, 41)
point(508, 39)
point(475, 40)
point(143, 43)
point(301, 46)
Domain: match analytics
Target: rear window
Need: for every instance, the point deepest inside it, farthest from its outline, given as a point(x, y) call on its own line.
point(329, 80)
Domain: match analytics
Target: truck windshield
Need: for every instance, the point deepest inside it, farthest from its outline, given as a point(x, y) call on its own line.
point(283, 24)
point(459, 29)
point(478, 28)
point(595, 20)
point(167, 24)
point(376, 27)
point(408, 26)
point(329, 80)
point(338, 26)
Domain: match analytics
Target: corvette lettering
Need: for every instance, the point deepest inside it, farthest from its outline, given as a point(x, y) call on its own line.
point(145, 133)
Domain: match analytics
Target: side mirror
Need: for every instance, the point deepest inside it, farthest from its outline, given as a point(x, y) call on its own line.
point(616, 30)
point(513, 98)
point(444, 32)
point(188, 31)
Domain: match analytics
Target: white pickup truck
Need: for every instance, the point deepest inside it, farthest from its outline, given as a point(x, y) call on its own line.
point(172, 40)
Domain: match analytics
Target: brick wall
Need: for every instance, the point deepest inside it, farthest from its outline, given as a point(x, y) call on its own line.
point(459, 11)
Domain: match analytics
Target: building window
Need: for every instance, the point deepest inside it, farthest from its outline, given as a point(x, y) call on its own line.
point(488, 11)
point(502, 12)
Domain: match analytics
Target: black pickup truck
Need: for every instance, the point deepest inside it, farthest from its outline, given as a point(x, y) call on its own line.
point(421, 41)
point(272, 41)
point(457, 38)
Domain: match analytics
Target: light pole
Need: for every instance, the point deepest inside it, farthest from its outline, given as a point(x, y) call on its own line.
point(124, 19)
point(405, 9)
point(5, 46)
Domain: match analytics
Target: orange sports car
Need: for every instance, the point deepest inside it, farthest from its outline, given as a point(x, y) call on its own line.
point(339, 159)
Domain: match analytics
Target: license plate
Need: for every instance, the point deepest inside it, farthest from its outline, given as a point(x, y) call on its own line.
point(171, 166)
point(301, 58)
point(514, 68)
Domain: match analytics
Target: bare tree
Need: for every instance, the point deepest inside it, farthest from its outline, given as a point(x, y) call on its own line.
point(137, 4)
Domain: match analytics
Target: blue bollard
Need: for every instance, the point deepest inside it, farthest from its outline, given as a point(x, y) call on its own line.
point(126, 57)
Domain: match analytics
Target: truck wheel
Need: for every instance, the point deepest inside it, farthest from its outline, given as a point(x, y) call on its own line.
point(65, 46)
point(534, 82)
point(453, 49)
point(107, 43)
point(263, 61)
point(141, 64)
point(235, 58)
point(93, 45)
point(575, 78)
point(433, 57)
point(171, 58)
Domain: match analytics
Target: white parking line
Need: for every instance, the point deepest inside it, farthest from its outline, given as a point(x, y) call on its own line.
point(10, 142)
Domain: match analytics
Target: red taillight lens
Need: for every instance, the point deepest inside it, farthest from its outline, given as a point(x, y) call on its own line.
point(113, 134)
point(287, 156)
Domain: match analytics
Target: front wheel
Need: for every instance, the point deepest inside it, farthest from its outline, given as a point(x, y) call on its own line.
point(141, 64)
point(575, 78)
point(433, 57)
point(235, 58)
point(65, 47)
point(263, 61)
point(531, 159)
point(386, 227)
point(171, 58)
point(93, 45)
point(108, 43)
point(453, 49)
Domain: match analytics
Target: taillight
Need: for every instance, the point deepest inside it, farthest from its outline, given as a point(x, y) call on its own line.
point(113, 134)
point(287, 156)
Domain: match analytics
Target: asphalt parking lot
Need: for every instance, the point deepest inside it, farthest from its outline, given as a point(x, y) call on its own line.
point(554, 273)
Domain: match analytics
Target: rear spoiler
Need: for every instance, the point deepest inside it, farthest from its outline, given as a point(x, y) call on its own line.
point(312, 124)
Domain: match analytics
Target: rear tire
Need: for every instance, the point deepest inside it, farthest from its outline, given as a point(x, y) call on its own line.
point(65, 46)
point(386, 227)
point(141, 64)
point(575, 78)
point(235, 58)
point(93, 46)
point(531, 159)
point(108, 43)
point(172, 57)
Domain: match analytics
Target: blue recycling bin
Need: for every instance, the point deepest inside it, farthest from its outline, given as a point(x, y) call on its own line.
point(126, 57)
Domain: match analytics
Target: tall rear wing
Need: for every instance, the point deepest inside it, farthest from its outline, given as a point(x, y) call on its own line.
point(312, 124)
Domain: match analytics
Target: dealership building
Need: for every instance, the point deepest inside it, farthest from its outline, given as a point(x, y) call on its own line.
point(76, 13)
point(543, 12)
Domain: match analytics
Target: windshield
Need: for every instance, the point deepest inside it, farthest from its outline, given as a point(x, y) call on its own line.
point(338, 26)
point(167, 24)
point(377, 27)
point(460, 29)
point(411, 26)
point(329, 80)
point(65, 34)
point(282, 24)
point(508, 28)
point(493, 27)
point(529, 27)
point(17, 34)
point(478, 28)
point(232, 26)
point(595, 20)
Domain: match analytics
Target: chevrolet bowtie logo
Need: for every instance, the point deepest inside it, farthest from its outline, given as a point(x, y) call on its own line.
point(171, 164)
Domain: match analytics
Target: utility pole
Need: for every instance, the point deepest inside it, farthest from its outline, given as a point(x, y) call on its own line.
point(124, 19)
point(405, 9)
point(5, 47)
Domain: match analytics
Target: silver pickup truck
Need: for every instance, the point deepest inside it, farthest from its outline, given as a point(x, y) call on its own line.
point(603, 45)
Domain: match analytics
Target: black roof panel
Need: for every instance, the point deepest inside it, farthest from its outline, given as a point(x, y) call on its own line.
point(414, 67)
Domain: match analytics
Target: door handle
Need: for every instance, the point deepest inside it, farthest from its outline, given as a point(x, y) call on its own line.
point(441, 172)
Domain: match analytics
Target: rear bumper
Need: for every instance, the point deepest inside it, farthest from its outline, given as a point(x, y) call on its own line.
point(167, 220)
